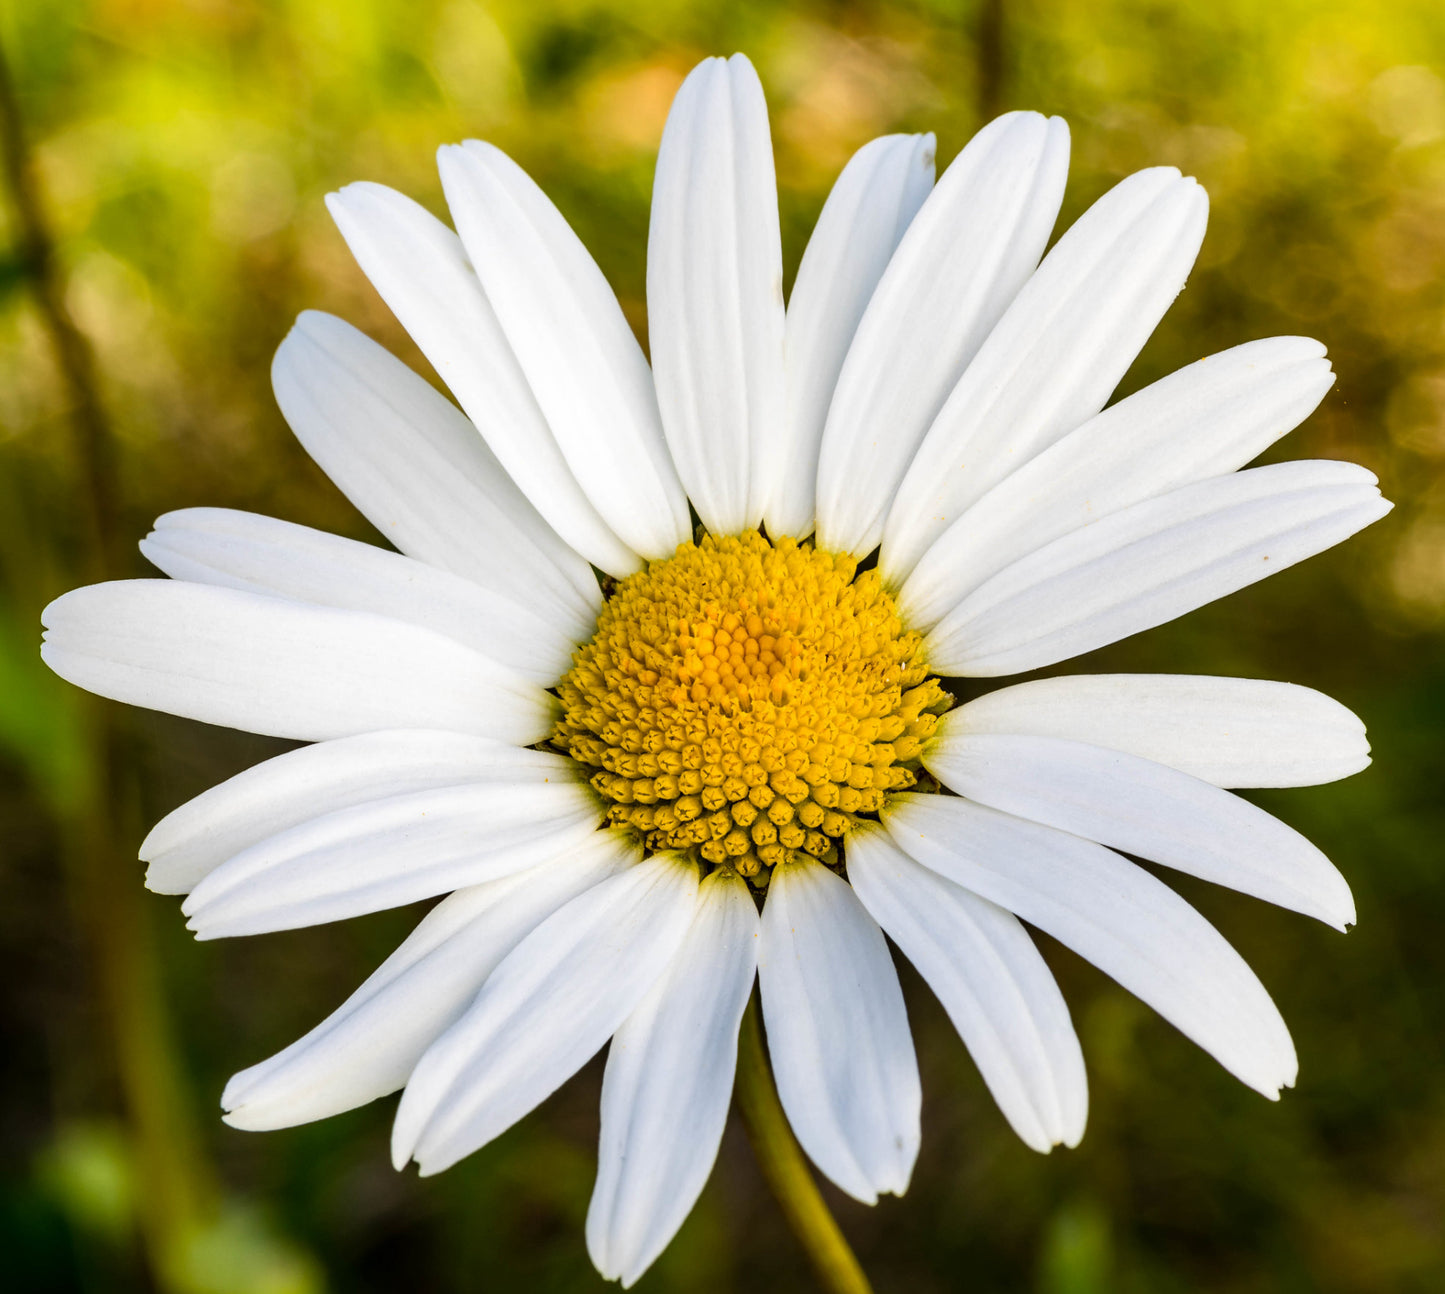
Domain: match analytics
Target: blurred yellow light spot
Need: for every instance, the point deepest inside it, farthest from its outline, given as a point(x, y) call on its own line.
point(1408, 102)
point(1415, 415)
point(630, 108)
point(1417, 570)
point(252, 195)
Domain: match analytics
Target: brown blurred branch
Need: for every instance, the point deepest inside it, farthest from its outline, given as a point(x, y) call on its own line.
point(989, 44)
point(175, 1185)
point(72, 352)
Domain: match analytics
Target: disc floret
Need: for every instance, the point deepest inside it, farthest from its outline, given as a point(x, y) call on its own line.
point(746, 702)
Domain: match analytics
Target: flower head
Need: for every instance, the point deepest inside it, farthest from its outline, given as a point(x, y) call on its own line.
point(650, 760)
point(749, 703)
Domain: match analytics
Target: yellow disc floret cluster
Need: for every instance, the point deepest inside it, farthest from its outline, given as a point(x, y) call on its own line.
point(746, 701)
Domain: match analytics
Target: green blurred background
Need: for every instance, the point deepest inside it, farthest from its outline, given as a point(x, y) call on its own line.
point(180, 150)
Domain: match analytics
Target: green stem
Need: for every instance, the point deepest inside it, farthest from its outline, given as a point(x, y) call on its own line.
point(35, 247)
point(177, 1190)
point(786, 1171)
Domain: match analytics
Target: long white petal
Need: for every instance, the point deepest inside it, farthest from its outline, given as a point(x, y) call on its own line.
point(369, 1045)
point(421, 271)
point(281, 793)
point(1151, 563)
point(241, 550)
point(1146, 809)
point(385, 853)
point(867, 212)
point(551, 1004)
point(1229, 731)
point(838, 1032)
point(1205, 420)
point(574, 345)
point(1056, 355)
point(996, 988)
point(281, 668)
point(416, 468)
point(668, 1083)
point(715, 295)
point(971, 247)
point(1113, 914)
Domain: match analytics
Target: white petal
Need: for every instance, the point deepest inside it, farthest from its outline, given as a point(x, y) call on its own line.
point(715, 295)
point(1145, 809)
point(393, 851)
point(1113, 914)
point(868, 211)
point(1151, 563)
point(967, 253)
point(996, 988)
point(416, 468)
point(293, 788)
point(551, 1004)
point(1229, 731)
point(280, 668)
point(418, 266)
point(1202, 421)
point(570, 337)
point(838, 1032)
point(370, 1044)
point(242, 550)
point(668, 1084)
point(1056, 355)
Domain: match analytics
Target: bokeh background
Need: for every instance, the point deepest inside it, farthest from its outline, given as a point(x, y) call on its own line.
point(165, 228)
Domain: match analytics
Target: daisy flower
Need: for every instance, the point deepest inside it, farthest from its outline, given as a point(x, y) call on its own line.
point(633, 693)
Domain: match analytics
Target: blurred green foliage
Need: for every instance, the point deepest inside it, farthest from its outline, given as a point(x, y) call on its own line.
point(183, 148)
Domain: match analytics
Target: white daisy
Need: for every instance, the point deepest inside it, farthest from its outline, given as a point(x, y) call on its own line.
point(731, 755)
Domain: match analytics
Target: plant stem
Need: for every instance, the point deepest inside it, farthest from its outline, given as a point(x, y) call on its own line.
point(177, 1190)
point(786, 1171)
point(989, 46)
point(36, 252)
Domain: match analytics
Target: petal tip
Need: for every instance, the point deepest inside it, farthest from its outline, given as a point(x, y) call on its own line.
point(403, 1141)
point(340, 201)
point(157, 882)
point(313, 323)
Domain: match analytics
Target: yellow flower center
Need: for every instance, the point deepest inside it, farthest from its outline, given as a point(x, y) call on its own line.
point(746, 701)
